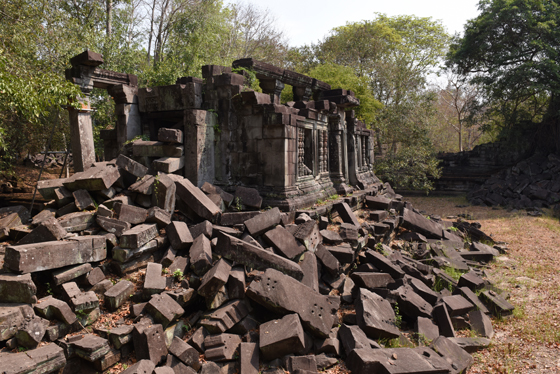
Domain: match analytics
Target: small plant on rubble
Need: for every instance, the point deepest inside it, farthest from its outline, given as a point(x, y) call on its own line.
point(237, 205)
point(178, 274)
point(398, 317)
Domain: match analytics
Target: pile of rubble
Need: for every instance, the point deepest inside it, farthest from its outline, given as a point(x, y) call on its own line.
point(123, 265)
point(51, 160)
point(532, 183)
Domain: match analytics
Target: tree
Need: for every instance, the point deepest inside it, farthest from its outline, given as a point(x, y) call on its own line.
point(513, 49)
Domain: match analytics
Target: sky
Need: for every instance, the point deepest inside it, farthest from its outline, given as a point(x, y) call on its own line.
point(308, 21)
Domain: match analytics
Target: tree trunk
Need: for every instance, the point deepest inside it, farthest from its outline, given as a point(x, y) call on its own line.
point(109, 16)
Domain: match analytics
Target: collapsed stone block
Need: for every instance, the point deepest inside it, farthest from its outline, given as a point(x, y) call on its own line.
point(137, 236)
point(46, 359)
point(130, 166)
point(31, 332)
point(283, 242)
point(197, 200)
point(179, 235)
point(17, 289)
point(375, 316)
point(263, 222)
point(214, 278)
point(164, 309)
point(149, 343)
point(78, 221)
point(225, 317)
point(117, 295)
point(481, 323)
point(49, 308)
point(154, 282)
point(184, 352)
point(83, 200)
point(249, 358)
point(248, 197)
point(221, 347)
point(67, 274)
point(113, 225)
point(47, 230)
point(283, 336)
point(457, 357)
point(141, 367)
point(396, 361)
point(353, 337)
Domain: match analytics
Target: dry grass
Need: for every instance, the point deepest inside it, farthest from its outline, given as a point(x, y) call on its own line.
point(528, 342)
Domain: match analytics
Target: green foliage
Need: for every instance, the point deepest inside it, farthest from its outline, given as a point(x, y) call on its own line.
point(250, 78)
point(511, 48)
point(178, 274)
point(398, 316)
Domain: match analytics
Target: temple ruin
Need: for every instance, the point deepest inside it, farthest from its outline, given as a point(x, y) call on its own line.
point(294, 153)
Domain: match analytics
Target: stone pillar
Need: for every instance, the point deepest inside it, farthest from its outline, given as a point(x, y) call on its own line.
point(81, 135)
point(199, 146)
point(128, 116)
point(273, 87)
point(337, 154)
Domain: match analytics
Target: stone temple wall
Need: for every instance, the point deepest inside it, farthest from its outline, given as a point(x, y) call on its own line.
point(227, 134)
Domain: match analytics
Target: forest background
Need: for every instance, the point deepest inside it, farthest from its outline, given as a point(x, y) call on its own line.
point(421, 90)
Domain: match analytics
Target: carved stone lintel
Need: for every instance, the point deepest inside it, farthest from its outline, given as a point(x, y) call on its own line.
point(273, 87)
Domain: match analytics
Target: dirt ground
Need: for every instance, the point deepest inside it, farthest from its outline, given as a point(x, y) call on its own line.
point(528, 342)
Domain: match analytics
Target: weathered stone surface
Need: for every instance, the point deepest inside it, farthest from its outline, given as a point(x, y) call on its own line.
point(12, 317)
point(263, 222)
point(94, 179)
point(214, 278)
point(52, 255)
point(481, 323)
point(308, 234)
point(149, 343)
point(473, 299)
point(169, 164)
point(426, 329)
point(170, 135)
point(84, 301)
point(77, 221)
point(249, 358)
point(471, 345)
point(496, 303)
point(353, 337)
point(281, 337)
point(310, 271)
point(67, 274)
point(47, 230)
point(164, 193)
point(375, 316)
point(90, 347)
point(112, 225)
point(130, 166)
point(46, 187)
point(179, 235)
point(164, 309)
point(31, 332)
point(42, 216)
point(159, 216)
point(95, 276)
point(221, 347)
point(204, 228)
point(225, 317)
point(471, 280)
point(236, 218)
point(283, 242)
point(83, 200)
point(141, 367)
point(236, 283)
point(241, 252)
point(184, 352)
point(137, 236)
point(156, 149)
point(117, 295)
point(377, 202)
point(49, 308)
point(17, 289)
point(346, 214)
point(411, 304)
point(124, 255)
point(276, 292)
point(46, 359)
point(200, 255)
point(383, 264)
point(197, 200)
point(371, 280)
point(248, 197)
point(441, 317)
point(331, 237)
point(416, 222)
point(301, 364)
point(457, 357)
point(457, 305)
point(330, 263)
point(154, 282)
point(130, 213)
point(396, 361)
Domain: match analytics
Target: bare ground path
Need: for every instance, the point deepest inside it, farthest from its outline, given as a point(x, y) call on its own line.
point(528, 342)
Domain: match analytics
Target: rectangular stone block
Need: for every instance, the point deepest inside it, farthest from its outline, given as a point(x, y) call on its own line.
point(197, 200)
point(137, 236)
point(96, 178)
point(132, 167)
point(118, 294)
point(156, 149)
point(169, 164)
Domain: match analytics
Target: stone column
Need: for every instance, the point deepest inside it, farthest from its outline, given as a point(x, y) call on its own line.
point(337, 154)
point(128, 116)
point(302, 93)
point(81, 134)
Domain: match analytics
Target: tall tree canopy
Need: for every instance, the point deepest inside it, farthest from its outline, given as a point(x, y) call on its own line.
point(513, 49)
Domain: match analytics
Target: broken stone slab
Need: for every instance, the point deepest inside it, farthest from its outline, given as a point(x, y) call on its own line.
point(471, 280)
point(31, 332)
point(241, 252)
point(210, 189)
point(47, 230)
point(331, 237)
point(371, 280)
point(346, 214)
point(154, 282)
point(46, 187)
point(90, 347)
point(499, 306)
point(120, 336)
point(141, 148)
point(63, 197)
point(310, 270)
point(124, 255)
point(224, 318)
point(249, 358)
point(169, 164)
point(96, 178)
point(443, 320)
point(221, 347)
point(457, 305)
point(456, 356)
point(117, 295)
point(49, 308)
point(159, 216)
point(164, 193)
point(375, 316)
point(46, 359)
point(179, 235)
point(283, 242)
point(176, 366)
point(12, 316)
point(275, 291)
point(263, 222)
point(416, 222)
point(112, 225)
point(164, 309)
point(130, 166)
point(197, 200)
point(204, 228)
point(184, 352)
point(236, 283)
point(281, 337)
point(481, 323)
point(137, 236)
point(214, 278)
point(471, 345)
point(330, 345)
point(180, 264)
point(83, 200)
point(382, 263)
point(67, 274)
point(426, 329)
point(411, 304)
point(92, 278)
point(77, 221)
point(30, 258)
point(309, 234)
point(301, 364)
point(17, 289)
point(329, 262)
point(149, 342)
point(236, 218)
point(84, 301)
point(352, 337)
point(130, 213)
point(170, 135)
point(378, 202)
point(200, 255)
point(396, 361)
point(141, 367)
point(248, 197)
